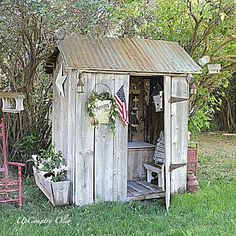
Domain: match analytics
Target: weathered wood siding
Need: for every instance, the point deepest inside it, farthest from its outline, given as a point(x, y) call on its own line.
point(136, 158)
point(179, 133)
point(97, 160)
point(167, 133)
point(56, 109)
point(101, 159)
point(120, 146)
point(63, 119)
point(176, 134)
point(84, 157)
point(104, 147)
point(69, 149)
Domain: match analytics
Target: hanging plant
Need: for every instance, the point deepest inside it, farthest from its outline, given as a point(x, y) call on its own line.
point(102, 108)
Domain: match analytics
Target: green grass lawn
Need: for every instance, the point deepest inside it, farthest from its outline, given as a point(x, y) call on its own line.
point(211, 211)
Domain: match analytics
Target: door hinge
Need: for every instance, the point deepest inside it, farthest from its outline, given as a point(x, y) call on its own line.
point(177, 99)
point(175, 166)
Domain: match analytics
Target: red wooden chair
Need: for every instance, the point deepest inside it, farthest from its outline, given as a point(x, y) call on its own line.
point(10, 188)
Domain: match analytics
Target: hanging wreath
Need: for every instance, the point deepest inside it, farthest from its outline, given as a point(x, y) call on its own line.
point(105, 103)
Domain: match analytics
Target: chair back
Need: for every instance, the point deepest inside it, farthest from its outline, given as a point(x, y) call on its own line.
point(3, 167)
point(159, 154)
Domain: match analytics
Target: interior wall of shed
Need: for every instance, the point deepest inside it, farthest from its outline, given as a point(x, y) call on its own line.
point(145, 125)
point(145, 122)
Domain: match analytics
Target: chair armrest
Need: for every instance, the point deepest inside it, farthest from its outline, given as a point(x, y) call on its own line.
point(15, 164)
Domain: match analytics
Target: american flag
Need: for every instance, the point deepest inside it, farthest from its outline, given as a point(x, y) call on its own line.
point(122, 108)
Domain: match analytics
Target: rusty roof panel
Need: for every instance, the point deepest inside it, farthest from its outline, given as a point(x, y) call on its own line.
point(126, 55)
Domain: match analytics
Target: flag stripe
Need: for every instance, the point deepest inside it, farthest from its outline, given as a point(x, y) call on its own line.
point(121, 103)
point(118, 102)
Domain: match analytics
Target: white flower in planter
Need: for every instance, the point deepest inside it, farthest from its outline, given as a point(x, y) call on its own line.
point(56, 171)
point(64, 168)
point(49, 178)
point(40, 166)
point(34, 157)
point(50, 163)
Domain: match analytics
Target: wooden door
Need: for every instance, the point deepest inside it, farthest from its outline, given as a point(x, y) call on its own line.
point(176, 134)
point(179, 133)
point(101, 158)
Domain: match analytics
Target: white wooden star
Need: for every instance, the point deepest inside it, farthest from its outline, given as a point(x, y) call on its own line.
point(60, 81)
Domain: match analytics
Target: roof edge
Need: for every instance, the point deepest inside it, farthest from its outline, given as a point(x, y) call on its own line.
point(88, 70)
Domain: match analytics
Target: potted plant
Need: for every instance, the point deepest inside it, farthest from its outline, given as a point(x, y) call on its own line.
point(50, 176)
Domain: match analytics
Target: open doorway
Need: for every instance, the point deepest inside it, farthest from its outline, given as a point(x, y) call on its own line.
point(146, 109)
point(146, 117)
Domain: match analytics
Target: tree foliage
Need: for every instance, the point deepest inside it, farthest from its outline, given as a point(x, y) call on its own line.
point(203, 28)
point(27, 37)
point(225, 118)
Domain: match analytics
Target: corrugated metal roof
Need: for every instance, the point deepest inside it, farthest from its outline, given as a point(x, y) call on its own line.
point(126, 55)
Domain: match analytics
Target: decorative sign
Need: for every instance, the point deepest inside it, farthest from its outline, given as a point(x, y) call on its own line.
point(158, 101)
point(103, 111)
point(102, 108)
point(147, 91)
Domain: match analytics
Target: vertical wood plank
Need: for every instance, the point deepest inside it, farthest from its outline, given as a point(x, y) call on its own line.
point(63, 120)
point(120, 147)
point(72, 80)
point(84, 157)
point(56, 109)
point(60, 132)
point(64, 116)
point(104, 148)
point(179, 114)
point(167, 133)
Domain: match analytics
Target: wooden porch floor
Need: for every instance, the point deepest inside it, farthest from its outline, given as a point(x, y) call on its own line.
point(141, 190)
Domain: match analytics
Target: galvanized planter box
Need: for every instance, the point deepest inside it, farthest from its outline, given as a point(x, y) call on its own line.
point(56, 192)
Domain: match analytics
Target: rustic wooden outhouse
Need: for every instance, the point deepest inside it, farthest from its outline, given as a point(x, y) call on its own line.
point(155, 75)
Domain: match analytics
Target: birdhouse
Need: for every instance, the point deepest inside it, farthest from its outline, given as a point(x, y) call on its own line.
point(158, 101)
point(213, 68)
point(12, 102)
